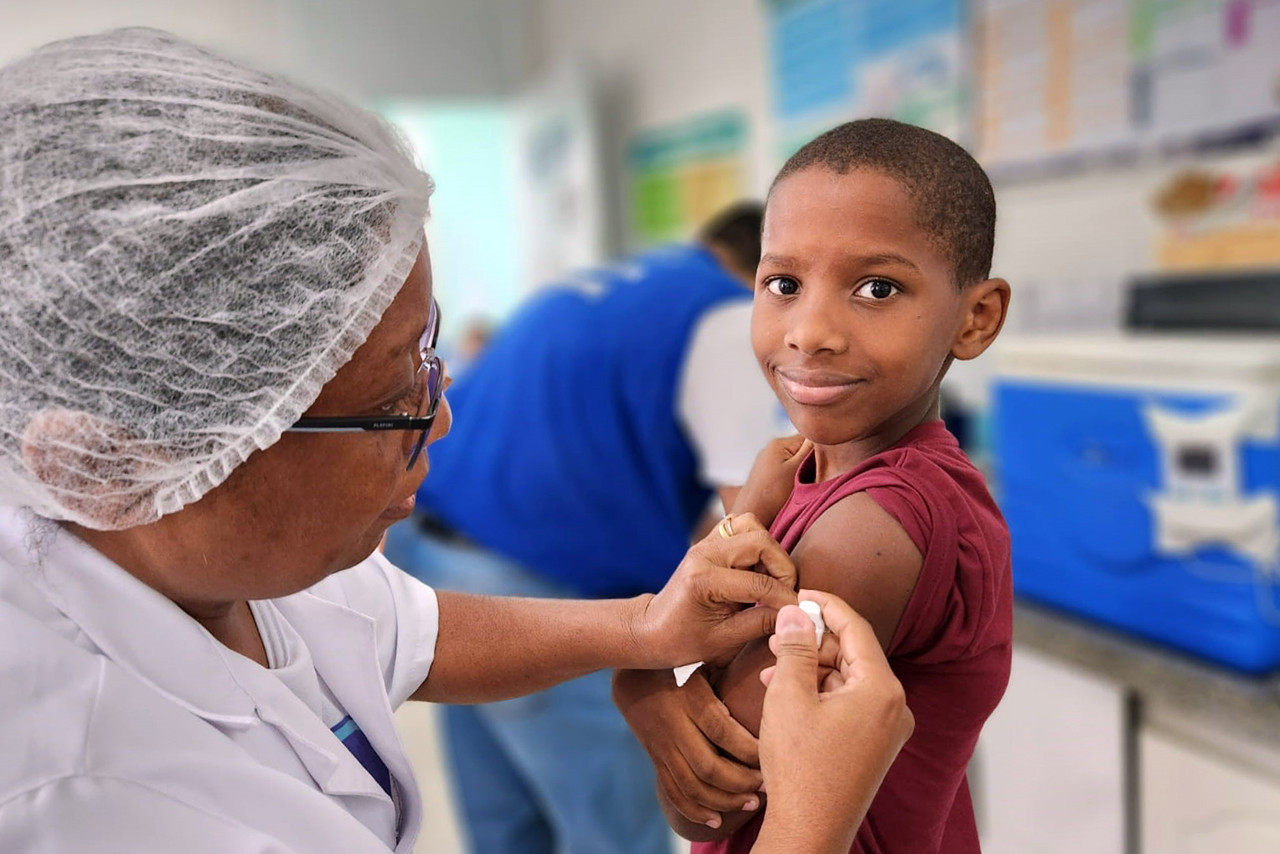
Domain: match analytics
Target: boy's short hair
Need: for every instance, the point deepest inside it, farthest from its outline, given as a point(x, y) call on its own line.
point(953, 197)
point(736, 230)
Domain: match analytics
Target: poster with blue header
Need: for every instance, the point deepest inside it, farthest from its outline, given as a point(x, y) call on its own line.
point(835, 60)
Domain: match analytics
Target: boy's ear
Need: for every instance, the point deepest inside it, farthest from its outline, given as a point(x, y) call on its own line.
point(986, 305)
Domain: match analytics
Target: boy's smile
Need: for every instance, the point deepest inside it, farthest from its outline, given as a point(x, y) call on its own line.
point(815, 387)
point(856, 311)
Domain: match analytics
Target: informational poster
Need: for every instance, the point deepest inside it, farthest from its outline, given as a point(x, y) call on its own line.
point(836, 60)
point(559, 178)
point(1080, 76)
point(813, 52)
point(1053, 76)
point(1205, 65)
point(911, 64)
point(680, 175)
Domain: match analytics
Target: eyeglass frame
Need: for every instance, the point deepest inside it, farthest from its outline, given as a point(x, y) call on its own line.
point(430, 363)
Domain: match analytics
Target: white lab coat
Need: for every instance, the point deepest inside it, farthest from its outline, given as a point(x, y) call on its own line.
point(125, 727)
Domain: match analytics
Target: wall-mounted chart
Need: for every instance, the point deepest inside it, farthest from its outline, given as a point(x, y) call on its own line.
point(833, 60)
point(679, 175)
point(1029, 82)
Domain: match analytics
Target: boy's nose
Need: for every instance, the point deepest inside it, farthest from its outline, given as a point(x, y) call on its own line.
point(815, 328)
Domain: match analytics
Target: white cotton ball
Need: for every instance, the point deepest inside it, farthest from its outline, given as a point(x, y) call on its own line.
point(814, 610)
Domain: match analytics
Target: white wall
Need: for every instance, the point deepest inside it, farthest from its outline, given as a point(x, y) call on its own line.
point(364, 48)
point(231, 25)
point(452, 48)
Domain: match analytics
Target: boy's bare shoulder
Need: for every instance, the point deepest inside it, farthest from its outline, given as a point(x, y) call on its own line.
point(859, 552)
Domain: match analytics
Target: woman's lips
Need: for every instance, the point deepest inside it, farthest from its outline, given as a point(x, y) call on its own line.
point(815, 388)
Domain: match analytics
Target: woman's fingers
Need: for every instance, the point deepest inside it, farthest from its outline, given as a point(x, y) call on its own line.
point(828, 679)
point(713, 719)
point(749, 588)
point(858, 646)
point(751, 547)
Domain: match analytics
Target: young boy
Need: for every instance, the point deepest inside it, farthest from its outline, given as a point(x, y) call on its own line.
point(876, 251)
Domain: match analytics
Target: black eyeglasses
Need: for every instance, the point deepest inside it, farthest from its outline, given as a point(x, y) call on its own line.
point(423, 400)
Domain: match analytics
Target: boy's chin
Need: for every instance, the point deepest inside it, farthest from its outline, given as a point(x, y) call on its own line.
point(827, 432)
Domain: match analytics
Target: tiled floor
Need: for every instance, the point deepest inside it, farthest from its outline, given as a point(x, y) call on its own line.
point(417, 722)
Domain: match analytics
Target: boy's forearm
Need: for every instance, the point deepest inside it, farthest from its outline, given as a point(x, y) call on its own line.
point(493, 648)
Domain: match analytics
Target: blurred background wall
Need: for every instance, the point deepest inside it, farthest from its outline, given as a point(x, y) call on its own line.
point(1124, 138)
point(1045, 91)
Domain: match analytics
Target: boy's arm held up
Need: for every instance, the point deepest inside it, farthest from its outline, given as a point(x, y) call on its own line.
point(856, 551)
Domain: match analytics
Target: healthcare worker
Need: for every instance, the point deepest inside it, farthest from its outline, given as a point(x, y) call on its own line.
point(217, 380)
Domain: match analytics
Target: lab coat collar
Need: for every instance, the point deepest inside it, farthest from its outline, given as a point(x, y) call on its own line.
point(150, 636)
point(344, 641)
point(143, 631)
point(330, 764)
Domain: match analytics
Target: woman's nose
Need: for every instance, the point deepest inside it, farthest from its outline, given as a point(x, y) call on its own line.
point(444, 420)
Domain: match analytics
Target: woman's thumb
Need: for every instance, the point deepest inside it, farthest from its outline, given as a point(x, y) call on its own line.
point(797, 649)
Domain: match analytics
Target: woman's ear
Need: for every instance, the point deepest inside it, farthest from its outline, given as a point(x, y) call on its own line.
point(96, 471)
point(985, 306)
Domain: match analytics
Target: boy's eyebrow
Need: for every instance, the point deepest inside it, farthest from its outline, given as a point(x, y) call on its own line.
point(889, 258)
point(780, 260)
point(878, 258)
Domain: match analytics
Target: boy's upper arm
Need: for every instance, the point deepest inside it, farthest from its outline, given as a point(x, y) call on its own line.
point(859, 552)
point(855, 550)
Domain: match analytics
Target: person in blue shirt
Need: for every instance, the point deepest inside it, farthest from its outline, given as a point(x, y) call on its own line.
point(588, 442)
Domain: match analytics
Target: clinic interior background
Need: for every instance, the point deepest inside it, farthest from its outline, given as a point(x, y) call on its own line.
point(1125, 138)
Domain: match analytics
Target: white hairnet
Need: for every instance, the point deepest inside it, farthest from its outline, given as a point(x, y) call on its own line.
point(189, 250)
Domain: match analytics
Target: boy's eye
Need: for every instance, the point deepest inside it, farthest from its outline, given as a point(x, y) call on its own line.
point(783, 286)
point(877, 289)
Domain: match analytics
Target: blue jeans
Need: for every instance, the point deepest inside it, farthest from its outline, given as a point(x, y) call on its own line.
point(557, 771)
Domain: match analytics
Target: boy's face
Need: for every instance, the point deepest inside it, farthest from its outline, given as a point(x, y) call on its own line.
point(856, 309)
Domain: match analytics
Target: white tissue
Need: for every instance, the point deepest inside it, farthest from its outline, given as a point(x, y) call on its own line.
point(684, 671)
point(814, 610)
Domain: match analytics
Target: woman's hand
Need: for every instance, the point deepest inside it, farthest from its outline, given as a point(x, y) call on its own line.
point(823, 755)
point(705, 612)
point(681, 728)
point(772, 476)
point(725, 592)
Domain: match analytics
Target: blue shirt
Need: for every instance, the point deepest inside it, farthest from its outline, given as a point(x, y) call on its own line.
point(566, 452)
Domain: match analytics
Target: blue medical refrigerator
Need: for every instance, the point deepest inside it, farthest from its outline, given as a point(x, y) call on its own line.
point(1140, 477)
